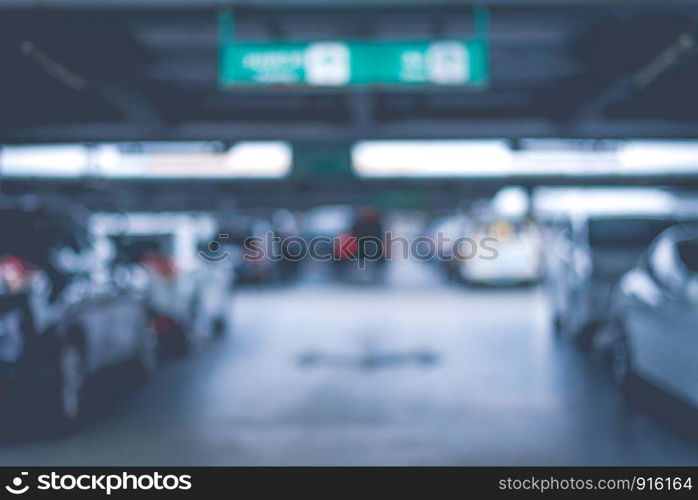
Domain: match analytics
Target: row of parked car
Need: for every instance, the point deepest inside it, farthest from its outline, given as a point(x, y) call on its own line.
point(83, 292)
point(624, 279)
point(619, 269)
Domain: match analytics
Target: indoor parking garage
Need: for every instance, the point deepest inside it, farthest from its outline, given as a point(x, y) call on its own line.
point(348, 233)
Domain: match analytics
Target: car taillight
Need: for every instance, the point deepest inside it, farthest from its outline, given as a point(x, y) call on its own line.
point(162, 265)
point(345, 246)
point(15, 273)
point(163, 325)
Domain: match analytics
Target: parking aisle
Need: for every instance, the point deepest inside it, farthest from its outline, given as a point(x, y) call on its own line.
point(412, 371)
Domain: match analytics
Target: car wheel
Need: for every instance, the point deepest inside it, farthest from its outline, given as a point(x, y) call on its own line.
point(182, 340)
point(584, 337)
point(557, 324)
point(72, 380)
point(67, 392)
point(188, 334)
point(147, 354)
point(622, 367)
point(219, 328)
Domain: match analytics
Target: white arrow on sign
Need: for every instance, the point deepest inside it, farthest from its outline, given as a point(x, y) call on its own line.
point(327, 63)
point(448, 63)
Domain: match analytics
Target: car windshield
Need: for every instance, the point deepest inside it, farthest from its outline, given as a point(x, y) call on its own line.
point(625, 231)
point(688, 253)
point(132, 248)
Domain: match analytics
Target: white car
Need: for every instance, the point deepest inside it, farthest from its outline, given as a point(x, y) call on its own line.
point(188, 293)
point(509, 253)
point(585, 261)
point(654, 317)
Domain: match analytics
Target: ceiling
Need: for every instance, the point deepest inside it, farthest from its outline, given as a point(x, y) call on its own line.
point(110, 70)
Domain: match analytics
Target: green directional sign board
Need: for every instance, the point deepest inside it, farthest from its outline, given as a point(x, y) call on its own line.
point(337, 63)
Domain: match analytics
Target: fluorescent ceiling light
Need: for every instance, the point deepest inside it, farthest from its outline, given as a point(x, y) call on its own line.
point(659, 156)
point(607, 201)
point(430, 158)
point(260, 159)
point(44, 160)
point(546, 157)
point(253, 159)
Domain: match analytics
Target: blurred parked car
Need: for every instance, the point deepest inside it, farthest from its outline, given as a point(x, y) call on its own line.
point(188, 288)
point(505, 251)
point(441, 235)
point(586, 256)
point(654, 316)
point(251, 239)
point(63, 316)
point(322, 224)
point(292, 247)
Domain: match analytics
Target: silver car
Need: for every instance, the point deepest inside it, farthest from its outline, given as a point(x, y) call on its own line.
point(655, 313)
point(585, 259)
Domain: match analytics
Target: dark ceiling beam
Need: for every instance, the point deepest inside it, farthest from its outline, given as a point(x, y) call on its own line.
point(208, 4)
point(323, 131)
point(213, 194)
point(172, 92)
point(362, 109)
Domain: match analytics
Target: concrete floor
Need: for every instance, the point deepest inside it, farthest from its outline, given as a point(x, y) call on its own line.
point(411, 372)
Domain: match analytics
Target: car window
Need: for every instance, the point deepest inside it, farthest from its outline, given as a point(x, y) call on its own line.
point(625, 231)
point(688, 254)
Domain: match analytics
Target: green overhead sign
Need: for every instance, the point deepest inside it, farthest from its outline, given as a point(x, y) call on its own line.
point(337, 63)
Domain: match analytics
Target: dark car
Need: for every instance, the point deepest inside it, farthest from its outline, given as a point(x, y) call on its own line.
point(654, 317)
point(586, 259)
point(63, 316)
point(256, 246)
